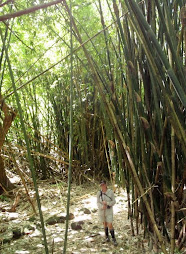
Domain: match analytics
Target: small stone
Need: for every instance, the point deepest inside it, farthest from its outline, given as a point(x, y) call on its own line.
point(52, 220)
point(71, 216)
point(103, 250)
point(16, 233)
point(81, 222)
point(77, 225)
point(61, 219)
point(86, 211)
point(55, 219)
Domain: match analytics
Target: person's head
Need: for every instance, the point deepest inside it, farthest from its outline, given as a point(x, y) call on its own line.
point(103, 185)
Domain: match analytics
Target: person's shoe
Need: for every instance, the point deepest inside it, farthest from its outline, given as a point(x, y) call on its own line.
point(114, 241)
point(107, 239)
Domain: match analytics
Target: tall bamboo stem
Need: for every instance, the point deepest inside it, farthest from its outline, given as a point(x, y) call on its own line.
point(71, 131)
point(173, 191)
point(28, 152)
point(177, 86)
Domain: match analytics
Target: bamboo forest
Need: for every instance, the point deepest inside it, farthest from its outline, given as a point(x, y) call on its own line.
point(92, 102)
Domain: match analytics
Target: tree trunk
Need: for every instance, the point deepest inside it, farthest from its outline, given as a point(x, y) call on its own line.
point(5, 183)
point(7, 120)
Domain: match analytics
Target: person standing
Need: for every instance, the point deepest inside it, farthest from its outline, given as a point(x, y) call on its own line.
point(105, 203)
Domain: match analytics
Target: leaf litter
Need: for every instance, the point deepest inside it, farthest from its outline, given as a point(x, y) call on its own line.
point(20, 231)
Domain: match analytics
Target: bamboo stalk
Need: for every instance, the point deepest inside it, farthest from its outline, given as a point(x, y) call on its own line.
point(127, 185)
point(29, 10)
point(173, 191)
point(170, 35)
point(28, 152)
point(136, 210)
point(71, 130)
point(106, 153)
point(177, 86)
point(174, 117)
point(23, 181)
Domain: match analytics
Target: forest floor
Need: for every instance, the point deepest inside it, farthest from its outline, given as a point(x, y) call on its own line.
point(88, 239)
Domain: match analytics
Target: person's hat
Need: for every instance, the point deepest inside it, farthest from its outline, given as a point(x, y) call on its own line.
point(102, 182)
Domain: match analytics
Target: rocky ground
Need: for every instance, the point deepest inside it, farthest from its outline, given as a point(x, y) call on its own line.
point(20, 231)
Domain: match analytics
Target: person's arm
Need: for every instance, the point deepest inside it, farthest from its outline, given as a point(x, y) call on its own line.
point(99, 201)
point(112, 201)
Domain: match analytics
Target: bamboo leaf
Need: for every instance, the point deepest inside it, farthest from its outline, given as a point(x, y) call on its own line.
point(145, 123)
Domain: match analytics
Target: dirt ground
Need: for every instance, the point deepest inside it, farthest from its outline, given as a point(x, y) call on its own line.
point(89, 239)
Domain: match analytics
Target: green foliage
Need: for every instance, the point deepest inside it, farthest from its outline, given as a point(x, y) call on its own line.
point(4, 198)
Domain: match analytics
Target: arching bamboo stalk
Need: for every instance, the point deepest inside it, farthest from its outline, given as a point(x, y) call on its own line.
point(29, 10)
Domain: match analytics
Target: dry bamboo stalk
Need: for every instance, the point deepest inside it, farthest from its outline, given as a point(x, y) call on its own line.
point(24, 182)
point(182, 237)
point(148, 190)
point(130, 214)
point(64, 154)
point(4, 189)
point(29, 10)
point(173, 191)
point(75, 163)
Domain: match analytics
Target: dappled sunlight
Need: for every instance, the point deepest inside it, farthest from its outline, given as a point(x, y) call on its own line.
point(21, 252)
point(82, 217)
point(121, 204)
point(91, 202)
point(39, 245)
point(44, 208)
point(35, 233)
point(58, 239)
point(88, 238)
point(11, 215)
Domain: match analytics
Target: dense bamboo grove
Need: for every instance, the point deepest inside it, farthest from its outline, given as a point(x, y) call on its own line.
point(128, 77)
